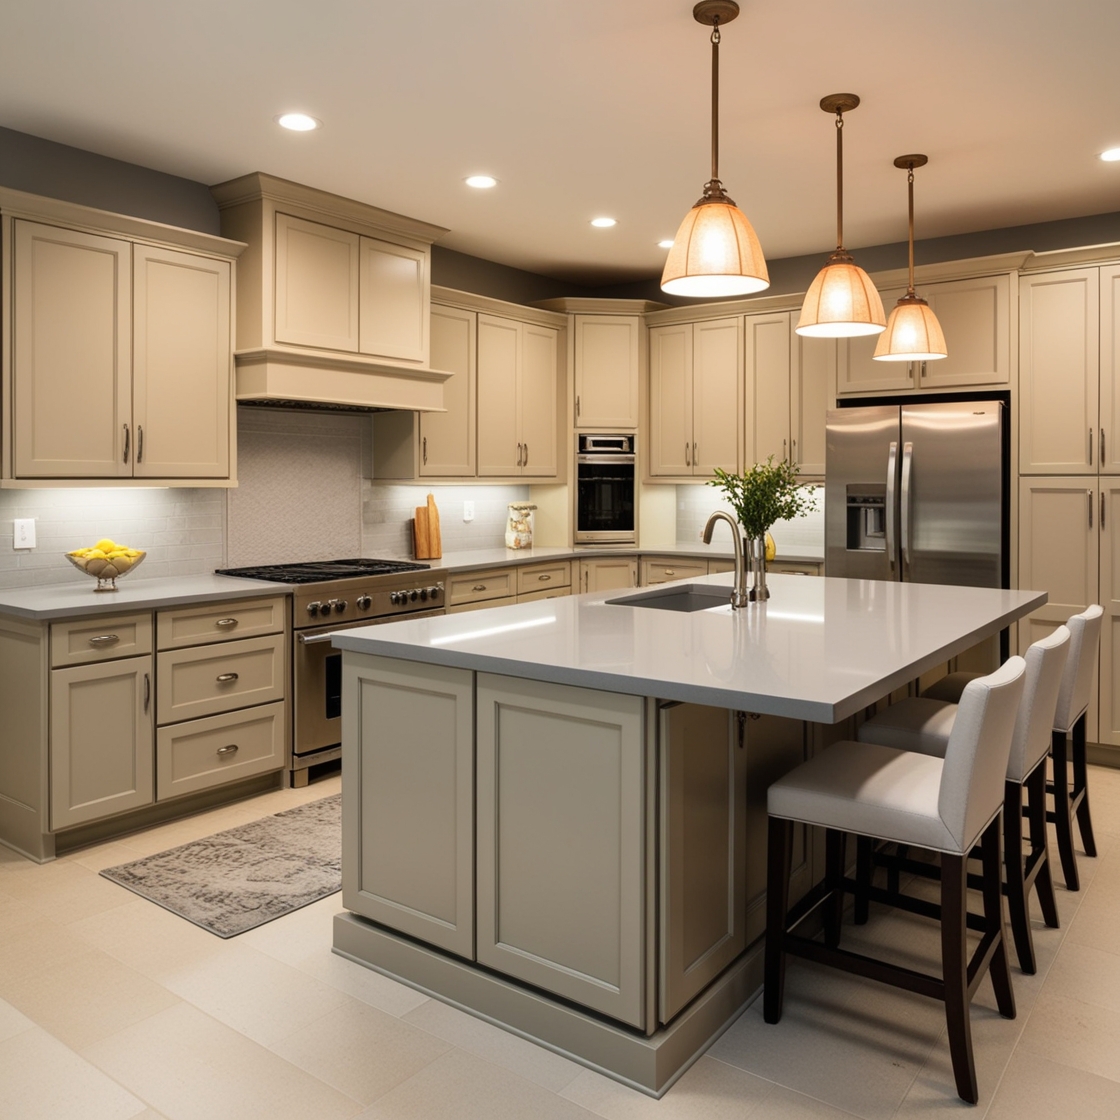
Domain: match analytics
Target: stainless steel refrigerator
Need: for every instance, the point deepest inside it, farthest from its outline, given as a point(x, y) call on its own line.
point(918, 492)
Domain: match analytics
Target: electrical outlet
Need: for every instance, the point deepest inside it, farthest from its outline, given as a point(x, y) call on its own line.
point(23, 532)
point(468, 511)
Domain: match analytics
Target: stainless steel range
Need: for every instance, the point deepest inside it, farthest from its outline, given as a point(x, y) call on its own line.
point(335, 595)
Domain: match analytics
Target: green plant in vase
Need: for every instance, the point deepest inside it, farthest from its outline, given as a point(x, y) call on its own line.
point(765, 493)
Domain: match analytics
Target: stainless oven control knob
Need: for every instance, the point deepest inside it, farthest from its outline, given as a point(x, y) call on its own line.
point(433, 592)
point(314, 608)
point(364, 602)
point(414, 595)
point(423, 594)
point(340, 605)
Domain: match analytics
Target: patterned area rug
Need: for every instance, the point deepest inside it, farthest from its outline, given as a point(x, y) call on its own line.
point(246, 876)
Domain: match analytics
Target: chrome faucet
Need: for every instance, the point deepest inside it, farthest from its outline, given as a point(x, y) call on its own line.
point(739, 592)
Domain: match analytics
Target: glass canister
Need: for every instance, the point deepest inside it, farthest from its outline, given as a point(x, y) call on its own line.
point(519, 526)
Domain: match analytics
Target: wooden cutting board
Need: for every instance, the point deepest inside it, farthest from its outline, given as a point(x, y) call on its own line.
point(426, 541)
point(435, 542)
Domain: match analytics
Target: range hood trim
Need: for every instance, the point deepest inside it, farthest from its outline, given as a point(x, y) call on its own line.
point(315, 378)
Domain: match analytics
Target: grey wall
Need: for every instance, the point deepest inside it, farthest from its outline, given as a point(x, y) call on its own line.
point(499, 281)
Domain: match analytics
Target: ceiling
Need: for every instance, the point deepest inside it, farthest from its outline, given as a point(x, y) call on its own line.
point(590, 107)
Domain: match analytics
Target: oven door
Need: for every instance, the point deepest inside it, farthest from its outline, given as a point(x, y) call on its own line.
point(605, 499)
point(317, 676)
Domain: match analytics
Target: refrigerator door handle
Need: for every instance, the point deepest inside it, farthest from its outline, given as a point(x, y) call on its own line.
point(904, 504)
point(892, 474)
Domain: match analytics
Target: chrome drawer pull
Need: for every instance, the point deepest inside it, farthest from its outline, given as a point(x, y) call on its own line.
point(104, 640)
point(479, 587)
point(670, 571)
point(222, 678)
point(226, 623)
point(543, 578)
point(230, 749)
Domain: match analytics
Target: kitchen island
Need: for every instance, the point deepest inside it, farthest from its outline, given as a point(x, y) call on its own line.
point(554, 813)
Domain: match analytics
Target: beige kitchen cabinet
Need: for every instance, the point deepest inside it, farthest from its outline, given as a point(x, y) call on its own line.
point(1108, 450)
point(795, 568)
point(1108, 728)
point(120, 357)
point(696, 397)
point(702, 826)
point(517, 384)
point(468, 589)
point(561, 841)
point(606, 371)
point(608, 573)
point(447, 439)
point(539, 580)
point(408, 842)
point(858, 372)
point(666, 569)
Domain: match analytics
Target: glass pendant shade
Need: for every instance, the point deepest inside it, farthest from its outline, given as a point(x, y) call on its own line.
point(841, 302)
point(913, 334)
point(715, 253)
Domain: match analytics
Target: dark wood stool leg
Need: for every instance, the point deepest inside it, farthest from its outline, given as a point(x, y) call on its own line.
point(834, 880)
point(864, 870)
point(1040, 844)
point(779, 845)
point(1063, 826)
point(1017, 893)
point(954, 964)
point(1081, 788)
point(993, 915)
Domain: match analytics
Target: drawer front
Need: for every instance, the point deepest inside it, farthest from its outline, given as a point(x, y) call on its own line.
point(218, 749)
point(547, 593)
point(664, 570)
point(205, 680)
point(482, 604)
point(540, 577)
point(715, 567)
point(473, 587)
point(100, 639)
point(220, 622)
point(793, 568)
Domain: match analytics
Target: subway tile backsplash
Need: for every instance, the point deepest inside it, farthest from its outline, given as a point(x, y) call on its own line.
point(803, 536)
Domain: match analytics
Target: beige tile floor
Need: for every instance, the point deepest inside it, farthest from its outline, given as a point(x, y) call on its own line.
point(111, 1007)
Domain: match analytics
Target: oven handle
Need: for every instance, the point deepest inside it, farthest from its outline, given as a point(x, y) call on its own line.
point(606, 458)
point(314, 639)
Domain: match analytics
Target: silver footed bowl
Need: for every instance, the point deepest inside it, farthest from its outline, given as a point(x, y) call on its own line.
point(106, 572)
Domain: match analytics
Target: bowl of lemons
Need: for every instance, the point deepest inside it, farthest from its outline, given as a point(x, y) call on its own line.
point(106, 561)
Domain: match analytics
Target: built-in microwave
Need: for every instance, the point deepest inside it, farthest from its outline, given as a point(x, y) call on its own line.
point(605, 489)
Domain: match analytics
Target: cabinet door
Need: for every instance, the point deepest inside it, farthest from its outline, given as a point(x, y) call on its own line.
point(394, 294)
point(670, 400)
point(766, 348)
point(537, 400)
point(703, 841)
point(316, 285)
point(71, 354)
point(447, 439)
point(717, 395)
point(1058, 372)
point(181, 364)
point(1109, 508)
point(812, 377)
point(1109, 452)
point(857, 370)
point(408, 803)
point(101, 740)
point(975, 317)
point(606, 370)
point(561, 841)
point(499, 360)
point(610, 574)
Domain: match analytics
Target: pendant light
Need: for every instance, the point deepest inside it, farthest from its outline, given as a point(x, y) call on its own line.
point(913, 333)
point(841, 301)
point(716, 251)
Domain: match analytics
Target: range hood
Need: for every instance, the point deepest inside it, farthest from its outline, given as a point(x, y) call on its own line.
point(333, 299)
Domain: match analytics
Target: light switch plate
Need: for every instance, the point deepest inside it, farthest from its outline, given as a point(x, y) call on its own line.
point(468, 511)
point(23, 532)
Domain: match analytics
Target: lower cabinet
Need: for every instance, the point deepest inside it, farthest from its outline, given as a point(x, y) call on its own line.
point(666, 569)
point(608, 574)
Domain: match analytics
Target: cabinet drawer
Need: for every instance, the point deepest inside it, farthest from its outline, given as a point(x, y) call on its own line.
point(206, 680)
point(544, 593)
point(794, 568)
point(540, 577)
point(472, 587)
point(197, 755)
point(219, 622)
point(659, 569)
point(100, 639)
point(482, 604)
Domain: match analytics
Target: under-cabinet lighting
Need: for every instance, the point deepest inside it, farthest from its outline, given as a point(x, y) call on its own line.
point(490, 631)
point(298, 122)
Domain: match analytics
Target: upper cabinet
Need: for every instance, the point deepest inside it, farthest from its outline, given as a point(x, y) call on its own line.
point(333, 297)
point(117, 350)
point(975, 316)
point(606, 370)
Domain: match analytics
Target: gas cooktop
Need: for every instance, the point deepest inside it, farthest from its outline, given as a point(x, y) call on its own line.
point(320, 571)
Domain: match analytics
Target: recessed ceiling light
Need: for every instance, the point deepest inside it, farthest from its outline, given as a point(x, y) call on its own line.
point(481, 182)
point(603, 223)
point(1111, 156)
point(298, 122)
point(666, 244)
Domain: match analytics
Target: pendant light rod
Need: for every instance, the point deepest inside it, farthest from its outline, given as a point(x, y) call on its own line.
point(839, 103)
point(715, 99)
point(908, 163)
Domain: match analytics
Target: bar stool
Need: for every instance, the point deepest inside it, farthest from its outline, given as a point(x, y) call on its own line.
point(946, 805)
point(1068, 741)
point(923, 724)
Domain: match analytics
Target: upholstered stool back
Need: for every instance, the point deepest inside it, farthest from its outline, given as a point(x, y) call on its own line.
point(1077, 684)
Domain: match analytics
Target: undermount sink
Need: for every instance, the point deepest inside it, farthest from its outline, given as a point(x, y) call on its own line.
point(690, 597)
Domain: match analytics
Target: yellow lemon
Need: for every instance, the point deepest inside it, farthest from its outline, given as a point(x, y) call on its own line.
point(133, 552)
point(106, 545)
point(95, 554)
point(79, 552)
point(771, 550)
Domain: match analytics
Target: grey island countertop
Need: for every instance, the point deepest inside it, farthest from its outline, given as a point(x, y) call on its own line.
point(819, 649)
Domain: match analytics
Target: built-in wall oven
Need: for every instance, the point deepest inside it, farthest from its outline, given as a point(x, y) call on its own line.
point(605, 489)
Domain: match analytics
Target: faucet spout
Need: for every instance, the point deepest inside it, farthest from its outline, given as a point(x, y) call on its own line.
point(739, 592)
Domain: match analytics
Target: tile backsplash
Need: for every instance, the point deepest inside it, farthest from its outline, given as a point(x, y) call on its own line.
point(803, 536)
